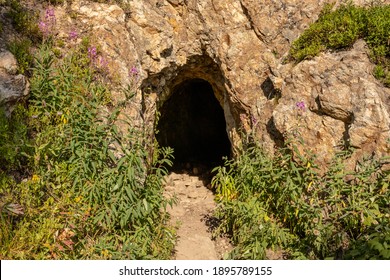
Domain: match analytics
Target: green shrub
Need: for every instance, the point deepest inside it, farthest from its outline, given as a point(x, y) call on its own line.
point(21, 50)
point(24, 20)
point(334, 29)
point(279, 204)
point(14, 140)
point(340, 28)
point(375, 246)
point(91, 193)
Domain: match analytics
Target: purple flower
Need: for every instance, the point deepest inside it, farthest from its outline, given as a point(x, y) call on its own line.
point(46, 25)
point(133, 72)
point(50, 17)
point(43, 27)
point(92, 52)
point(254, 120)
point(50, 14)
point(301, 105)
point(73, 35)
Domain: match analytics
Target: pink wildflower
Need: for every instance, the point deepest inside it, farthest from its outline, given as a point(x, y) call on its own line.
point(301, 105)
point(73, 35)
point(254, 120)
point(92, 53)
point(133, 72)
point(50, 15)
point(47, 24)
point(43, 28)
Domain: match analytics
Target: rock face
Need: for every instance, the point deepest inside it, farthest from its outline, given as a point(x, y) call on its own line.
point(344, 104)
point(13, 87)
point(238, 46)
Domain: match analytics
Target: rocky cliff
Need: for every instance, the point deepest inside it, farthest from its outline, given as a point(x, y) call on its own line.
point(238, 47)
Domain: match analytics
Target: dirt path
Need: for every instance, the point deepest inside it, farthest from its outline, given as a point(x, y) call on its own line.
point(190, 216)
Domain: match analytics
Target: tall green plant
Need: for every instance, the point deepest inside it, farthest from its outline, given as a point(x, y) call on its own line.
point(91, 193)
point(283, 204)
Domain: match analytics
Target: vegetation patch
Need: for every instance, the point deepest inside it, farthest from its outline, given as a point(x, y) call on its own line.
point(23, 20)
point(73, 184)
point(340, 28)
point(21, 49)
point(281, 205)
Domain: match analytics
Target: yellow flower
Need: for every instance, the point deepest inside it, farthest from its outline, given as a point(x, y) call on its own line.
point(105, 253)
point(35, 178)
point(308, 187)
point(64, 119)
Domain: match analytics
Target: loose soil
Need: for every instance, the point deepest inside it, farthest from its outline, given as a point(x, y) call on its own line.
point(192, 216)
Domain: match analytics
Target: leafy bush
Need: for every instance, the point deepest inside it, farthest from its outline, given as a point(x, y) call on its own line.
point(14, 140)
point(340, 28)
point(91, 192)
point(24, 20)
point(21, 50)
point(279, 204)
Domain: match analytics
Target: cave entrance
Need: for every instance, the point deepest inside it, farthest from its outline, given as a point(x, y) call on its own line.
point(192, 122)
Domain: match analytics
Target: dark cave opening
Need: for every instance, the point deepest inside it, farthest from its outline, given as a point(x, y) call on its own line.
point(192, 122)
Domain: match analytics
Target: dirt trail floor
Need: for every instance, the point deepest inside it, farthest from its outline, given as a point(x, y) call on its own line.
point(191, 217)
